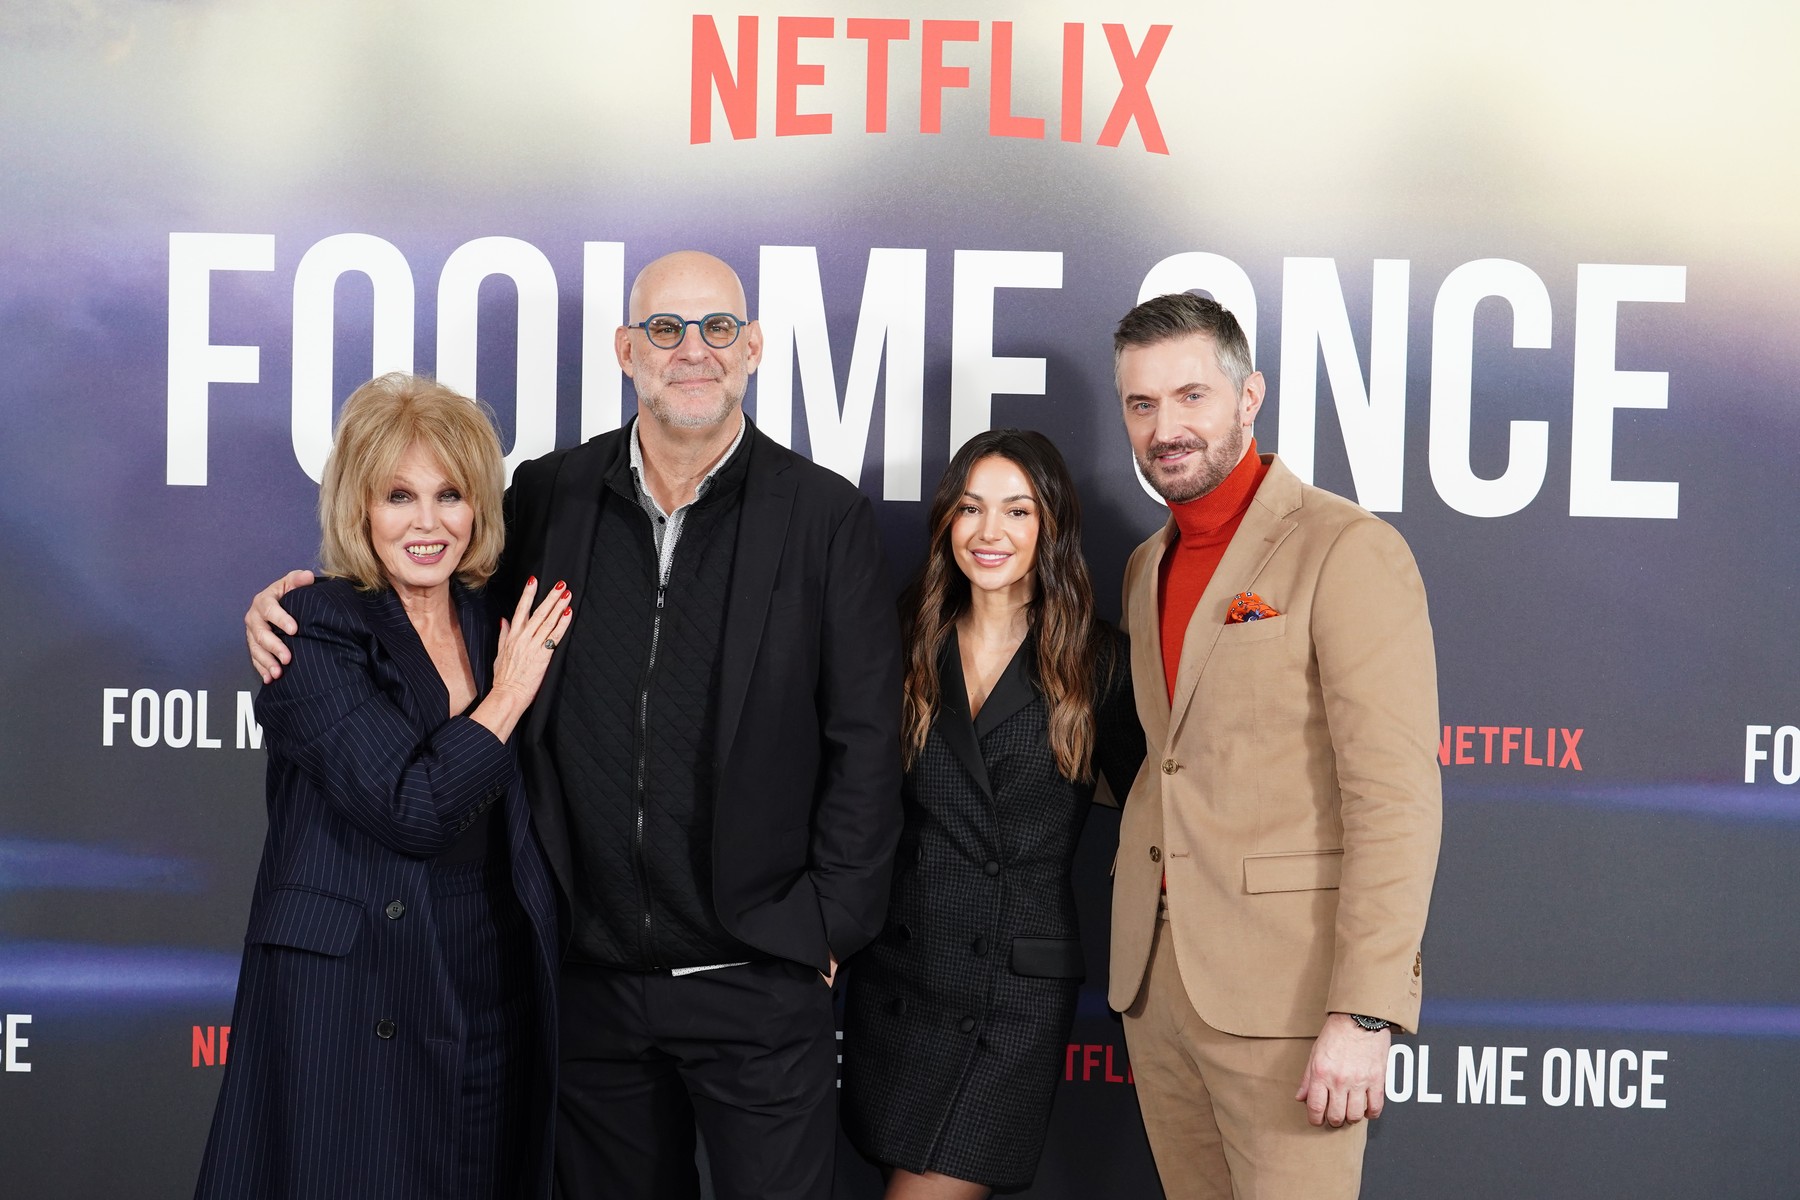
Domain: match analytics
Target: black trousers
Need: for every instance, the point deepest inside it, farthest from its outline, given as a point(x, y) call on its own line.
point(748, 1055)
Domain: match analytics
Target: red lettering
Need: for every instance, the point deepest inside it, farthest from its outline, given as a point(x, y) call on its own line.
point(1001, 121)
point(1069, 1061)
point(791, 75)
point(878, 32)
point(206, 1049)
point(934, 76)
point(1464, 736)
point(1090, 1058)
point(1111, 1075)
point(212, 1045)
point(1571, 739)
point(1509, 741)
point(1488, 732)
point(1134, 79)
point(1530, 761)
point(1074, 44)
point(1444, 749)
point(711, 73)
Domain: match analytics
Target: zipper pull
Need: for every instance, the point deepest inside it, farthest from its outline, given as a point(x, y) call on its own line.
point(662, 590)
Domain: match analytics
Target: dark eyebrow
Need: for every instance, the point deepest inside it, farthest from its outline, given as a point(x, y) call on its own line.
point(1195, 386)
point(1007, 500)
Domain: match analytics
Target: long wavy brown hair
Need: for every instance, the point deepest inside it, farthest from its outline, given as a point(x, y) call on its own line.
point(1061, 610)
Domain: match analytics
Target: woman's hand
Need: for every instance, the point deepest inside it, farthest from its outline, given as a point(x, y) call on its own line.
point(526, 644)
point(268, 653)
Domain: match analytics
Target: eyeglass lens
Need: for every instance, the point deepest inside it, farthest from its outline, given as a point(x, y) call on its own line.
point(718, 329)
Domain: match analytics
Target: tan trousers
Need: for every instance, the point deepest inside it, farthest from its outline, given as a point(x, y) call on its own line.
point(1220, 1109)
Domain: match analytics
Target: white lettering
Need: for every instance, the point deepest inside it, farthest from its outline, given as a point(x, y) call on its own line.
point(1590, 1075)
point(177, 718)
point(1452, 388)
point(1315, 321)
point(315, 312)
point(1511, 1075)
point(15, 1043)
point(790, 299)
point(1476, 1084)
point(459, 295)
point(1558, 1077)
point(1600, 389)
point(109, 712)
point(1400, 1060)
point(146, 718)
point(1786, 760)
point(1621, 1097)
point(602, 312)
point(249, 733)
point(1752, 753)
point(1652, 1078)
point(194, 362)
point(977, 374)
point(1427, 1096)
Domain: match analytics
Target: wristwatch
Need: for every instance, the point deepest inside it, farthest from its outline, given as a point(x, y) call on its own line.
point(1372, 1024)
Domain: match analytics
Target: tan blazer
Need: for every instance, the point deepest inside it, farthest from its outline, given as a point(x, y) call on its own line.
point(1291, 791)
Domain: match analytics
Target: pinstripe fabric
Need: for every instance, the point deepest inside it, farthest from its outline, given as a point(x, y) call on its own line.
point(383, 1006)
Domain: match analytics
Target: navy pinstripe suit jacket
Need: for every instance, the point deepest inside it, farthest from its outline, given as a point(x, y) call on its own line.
point(367, 781)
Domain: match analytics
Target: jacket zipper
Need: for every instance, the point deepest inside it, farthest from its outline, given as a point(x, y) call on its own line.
point(643, 741)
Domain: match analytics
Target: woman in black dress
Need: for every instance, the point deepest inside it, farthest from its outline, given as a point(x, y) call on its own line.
point(1016, 696)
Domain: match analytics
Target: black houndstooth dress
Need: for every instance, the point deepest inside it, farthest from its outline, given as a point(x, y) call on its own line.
point(957, 1016)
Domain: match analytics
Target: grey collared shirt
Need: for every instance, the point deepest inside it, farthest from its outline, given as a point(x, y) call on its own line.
point(666, 527)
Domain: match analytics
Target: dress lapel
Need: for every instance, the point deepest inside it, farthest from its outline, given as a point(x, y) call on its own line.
point(953, 722)
point(1012, 691)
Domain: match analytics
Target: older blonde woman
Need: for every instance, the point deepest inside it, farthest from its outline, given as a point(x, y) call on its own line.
point(394, 1028)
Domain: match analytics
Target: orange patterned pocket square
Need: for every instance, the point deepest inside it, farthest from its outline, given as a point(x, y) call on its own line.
point(1248, 606)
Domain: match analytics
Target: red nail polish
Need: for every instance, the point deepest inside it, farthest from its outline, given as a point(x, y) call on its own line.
point(559, 585)
point(531, 582)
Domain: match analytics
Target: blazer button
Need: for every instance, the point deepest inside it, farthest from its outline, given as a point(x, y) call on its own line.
point(1170, 766)
point(395, 910)
point(979, 946)
point(1155, 854)
point(967, 1025)
point(991, 869)
point(384, 1028)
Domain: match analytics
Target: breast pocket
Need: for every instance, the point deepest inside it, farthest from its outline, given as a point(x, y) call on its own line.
point(307, 920)
point(1245, 632)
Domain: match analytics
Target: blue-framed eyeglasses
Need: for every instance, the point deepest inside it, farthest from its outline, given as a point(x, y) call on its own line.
point(665, 330)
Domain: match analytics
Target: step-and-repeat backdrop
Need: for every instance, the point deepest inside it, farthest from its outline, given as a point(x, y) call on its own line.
point(1525, 280)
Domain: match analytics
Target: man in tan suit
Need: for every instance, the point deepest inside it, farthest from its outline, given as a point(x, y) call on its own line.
point(1277, 851)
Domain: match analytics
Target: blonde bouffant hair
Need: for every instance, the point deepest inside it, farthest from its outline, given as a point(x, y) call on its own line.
point(382, 419)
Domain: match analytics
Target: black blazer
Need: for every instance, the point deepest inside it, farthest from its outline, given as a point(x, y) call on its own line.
point(807, 810)
point(347, 1036)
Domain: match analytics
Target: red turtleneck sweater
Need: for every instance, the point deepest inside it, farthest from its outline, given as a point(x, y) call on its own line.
point(1206, 526)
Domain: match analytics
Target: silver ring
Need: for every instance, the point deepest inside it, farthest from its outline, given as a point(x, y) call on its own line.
point(549, 643)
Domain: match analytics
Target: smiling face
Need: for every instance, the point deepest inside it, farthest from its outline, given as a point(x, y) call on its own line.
point(693, 386)
point(994, 534)
point(419, 524)
point(1188, 425)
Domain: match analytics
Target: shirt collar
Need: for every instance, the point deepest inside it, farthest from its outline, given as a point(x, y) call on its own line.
point(637, 459)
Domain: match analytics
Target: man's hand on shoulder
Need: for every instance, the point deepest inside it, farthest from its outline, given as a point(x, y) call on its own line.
point(1346, 1077)
point(268, 653)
